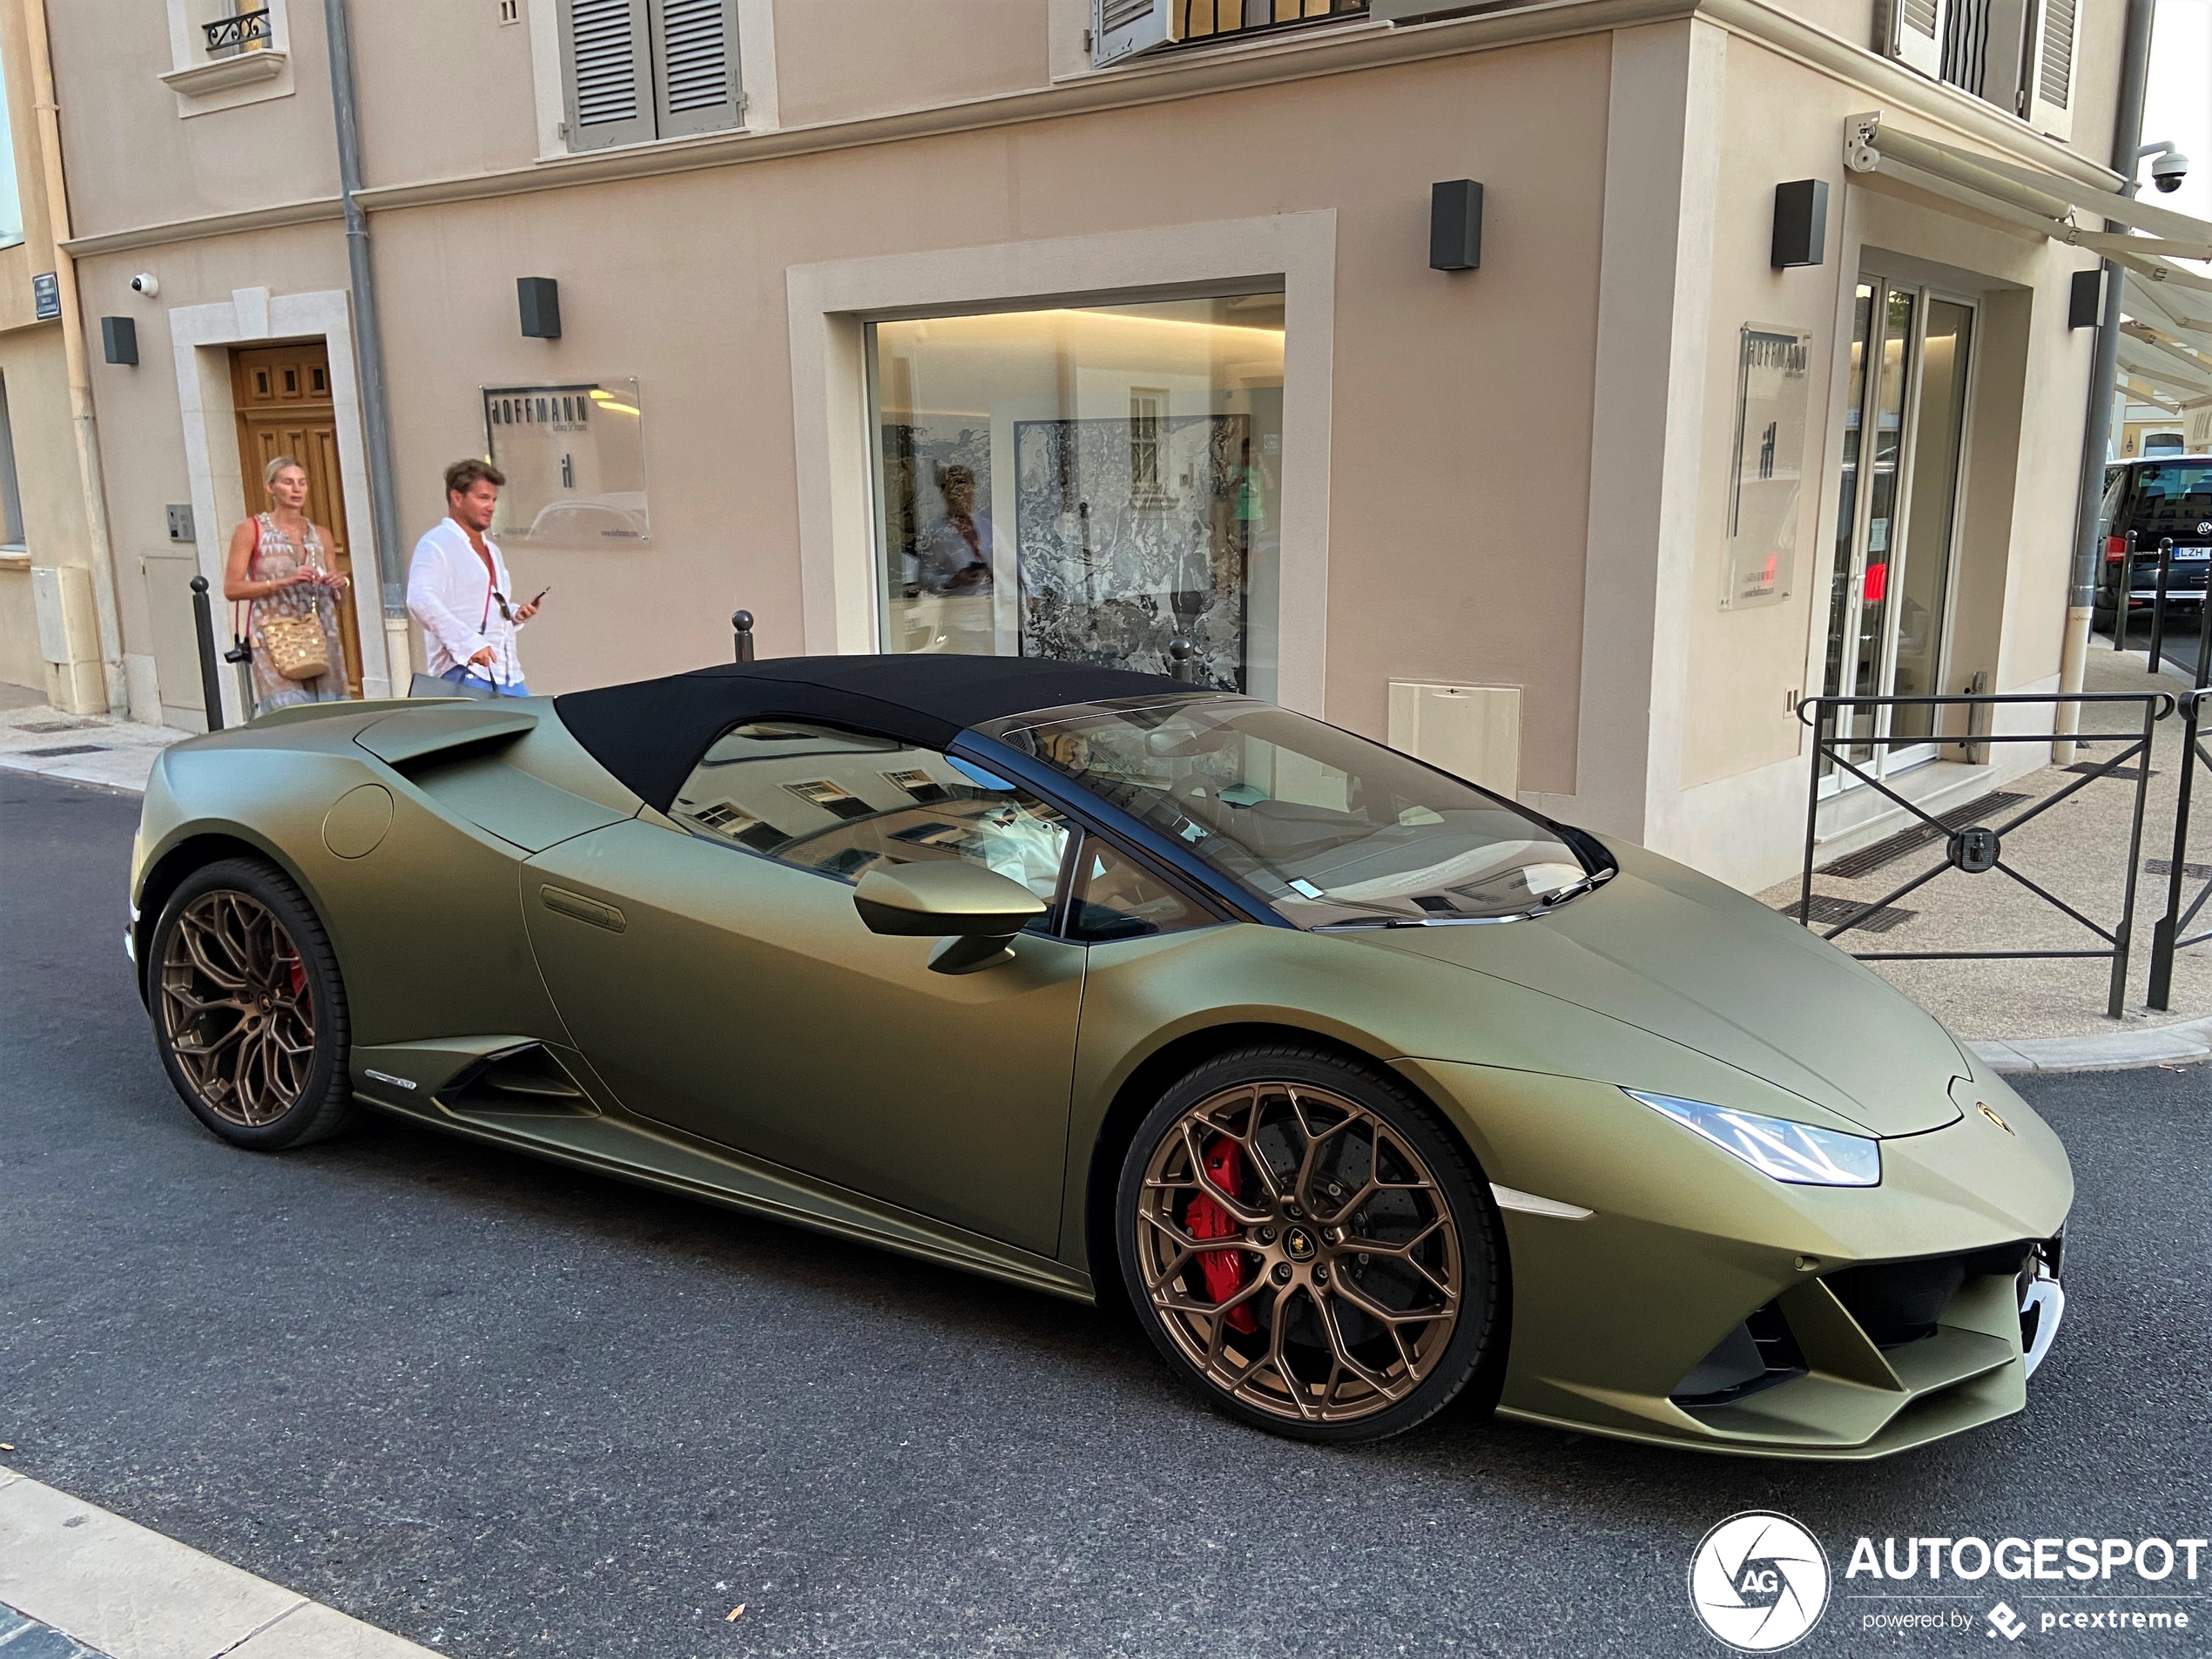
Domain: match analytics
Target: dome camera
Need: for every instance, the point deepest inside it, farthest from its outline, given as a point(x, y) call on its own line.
point(148, 284)
point(2167, 171)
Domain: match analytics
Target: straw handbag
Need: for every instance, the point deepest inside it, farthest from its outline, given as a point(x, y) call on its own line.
point(297, 647)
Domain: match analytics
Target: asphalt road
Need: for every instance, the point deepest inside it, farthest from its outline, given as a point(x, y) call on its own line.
point(506, 1409)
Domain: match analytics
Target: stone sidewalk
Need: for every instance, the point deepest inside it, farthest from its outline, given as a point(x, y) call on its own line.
point(83, 748)
point(2029, 1014)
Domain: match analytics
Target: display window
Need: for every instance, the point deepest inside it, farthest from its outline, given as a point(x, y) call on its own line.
point(1085, 483)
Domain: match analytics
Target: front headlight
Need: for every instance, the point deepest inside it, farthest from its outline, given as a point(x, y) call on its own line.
point(1796, 1153)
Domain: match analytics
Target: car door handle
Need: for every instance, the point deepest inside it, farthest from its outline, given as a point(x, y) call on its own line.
point(563, 902)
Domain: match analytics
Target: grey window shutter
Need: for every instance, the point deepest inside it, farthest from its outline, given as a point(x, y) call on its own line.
point(1916, 33)
point(695, 66)
point(1122, 29)
point(2051, 66)
point(606, 61)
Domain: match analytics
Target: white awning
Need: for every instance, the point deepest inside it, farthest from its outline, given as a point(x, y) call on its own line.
point(2164, 346)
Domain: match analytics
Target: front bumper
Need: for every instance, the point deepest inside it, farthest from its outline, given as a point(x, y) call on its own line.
point(1687, 1256)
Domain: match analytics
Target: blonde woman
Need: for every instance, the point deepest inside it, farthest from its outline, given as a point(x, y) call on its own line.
point(280, 566)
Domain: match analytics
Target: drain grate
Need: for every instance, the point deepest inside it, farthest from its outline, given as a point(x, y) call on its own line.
point(47, 728)
point(2165, 867)
point(1867, 860)
point(1827, 910)
point(67, 749)
point(2131, 774)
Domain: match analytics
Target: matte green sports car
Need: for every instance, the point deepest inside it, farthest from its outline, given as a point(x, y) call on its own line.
point(1367, 1089)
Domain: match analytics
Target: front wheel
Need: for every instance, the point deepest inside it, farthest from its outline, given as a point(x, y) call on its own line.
point(1308, 1247)
point(248, 1010)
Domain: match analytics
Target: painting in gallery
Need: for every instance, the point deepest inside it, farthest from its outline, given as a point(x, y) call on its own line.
point(1131, 532)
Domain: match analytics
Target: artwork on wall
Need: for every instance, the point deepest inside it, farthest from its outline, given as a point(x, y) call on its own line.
point(1765, 484)
point(575, 460)
point(1130, 532)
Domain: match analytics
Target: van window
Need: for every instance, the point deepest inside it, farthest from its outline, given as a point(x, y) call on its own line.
point(2172, 499)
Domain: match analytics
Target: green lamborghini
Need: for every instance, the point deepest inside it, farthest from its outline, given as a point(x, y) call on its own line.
point(1366, 1088)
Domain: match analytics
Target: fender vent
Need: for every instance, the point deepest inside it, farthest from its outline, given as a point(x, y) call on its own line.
point(525, 1080)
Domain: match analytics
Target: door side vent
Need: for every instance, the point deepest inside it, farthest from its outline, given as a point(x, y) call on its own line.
point(529, 1080)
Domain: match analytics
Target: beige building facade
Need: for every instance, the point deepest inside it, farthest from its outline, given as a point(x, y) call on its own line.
point(58, 626)
point(1064, 328)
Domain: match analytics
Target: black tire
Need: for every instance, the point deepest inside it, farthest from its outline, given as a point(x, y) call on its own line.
point(1398, 1372)
point(262, 1062)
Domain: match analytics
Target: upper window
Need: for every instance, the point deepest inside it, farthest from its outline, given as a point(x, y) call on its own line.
point(2020, 55)
point(1330, 829)
point(1085, 483)
point(639, 69)
point(10, 198)
point(1122, 29)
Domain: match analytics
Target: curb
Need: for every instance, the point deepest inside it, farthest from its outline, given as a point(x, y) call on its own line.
point(78, 1583)
point(2179, 1044)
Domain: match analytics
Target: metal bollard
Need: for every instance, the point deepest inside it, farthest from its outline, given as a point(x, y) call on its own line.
point(1183, 660)
point(210, 687)
point(2165, 934)
point(2121, 619)
point(2158, 605)
point(741, 626)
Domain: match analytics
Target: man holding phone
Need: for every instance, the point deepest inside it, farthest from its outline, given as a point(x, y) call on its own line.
point(458, 589)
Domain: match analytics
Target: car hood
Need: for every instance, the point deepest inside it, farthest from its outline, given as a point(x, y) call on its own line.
point(1675, 953)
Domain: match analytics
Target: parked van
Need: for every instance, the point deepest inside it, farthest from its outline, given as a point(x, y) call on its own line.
point(2152, 499)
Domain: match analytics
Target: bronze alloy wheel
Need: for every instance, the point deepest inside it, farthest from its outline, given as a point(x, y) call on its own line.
point(1299, 1252)
point(236, 1007)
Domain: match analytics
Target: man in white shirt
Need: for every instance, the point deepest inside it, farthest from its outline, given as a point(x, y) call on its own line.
point(458, 590)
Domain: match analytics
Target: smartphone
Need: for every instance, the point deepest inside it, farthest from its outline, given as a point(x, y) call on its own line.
point(542, 592)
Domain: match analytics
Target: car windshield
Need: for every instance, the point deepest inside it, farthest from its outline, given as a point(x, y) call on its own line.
point(1330, 829)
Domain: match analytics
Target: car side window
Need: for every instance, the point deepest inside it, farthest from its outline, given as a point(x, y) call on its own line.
point(841, 803)
point(1112, 896)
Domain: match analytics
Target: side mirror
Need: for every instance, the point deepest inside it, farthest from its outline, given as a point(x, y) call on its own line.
point(975, 911)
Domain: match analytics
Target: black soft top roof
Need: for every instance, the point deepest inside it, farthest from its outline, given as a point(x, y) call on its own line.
point(651, 733)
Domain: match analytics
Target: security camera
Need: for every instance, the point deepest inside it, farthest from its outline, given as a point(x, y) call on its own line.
point(2167, 171)
point(150, 285)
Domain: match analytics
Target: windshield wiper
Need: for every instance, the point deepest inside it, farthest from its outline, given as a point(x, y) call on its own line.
point(1545, 905)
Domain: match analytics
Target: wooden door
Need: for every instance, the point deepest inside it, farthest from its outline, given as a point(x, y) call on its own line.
point(282, 394)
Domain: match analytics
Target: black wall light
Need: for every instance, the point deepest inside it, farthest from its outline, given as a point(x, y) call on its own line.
point(121, 336)
point(1800, 223)
point(2085, 304)
point(541, 302)
point(1456, 226)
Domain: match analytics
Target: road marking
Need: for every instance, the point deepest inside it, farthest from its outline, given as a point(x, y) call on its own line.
point(125, 1592)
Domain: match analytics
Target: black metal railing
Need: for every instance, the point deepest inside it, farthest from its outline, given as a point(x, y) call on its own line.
point(249, 32)
point(1200, 20)
point(2171, 933)
point(1978, 849)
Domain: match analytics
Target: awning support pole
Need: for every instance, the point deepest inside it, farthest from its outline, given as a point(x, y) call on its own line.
point(2096, 432)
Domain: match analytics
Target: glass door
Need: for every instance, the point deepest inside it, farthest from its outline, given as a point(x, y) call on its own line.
point(1904, 445)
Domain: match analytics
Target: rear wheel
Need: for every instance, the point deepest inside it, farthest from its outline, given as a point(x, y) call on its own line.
point(248, 1010)
point(1308, 1248)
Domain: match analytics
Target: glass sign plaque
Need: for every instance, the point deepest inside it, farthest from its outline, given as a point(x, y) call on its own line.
point(575, 460)
point(1762, 500)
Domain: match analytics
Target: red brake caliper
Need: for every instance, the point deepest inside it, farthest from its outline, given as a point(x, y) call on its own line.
point(1224, 1270)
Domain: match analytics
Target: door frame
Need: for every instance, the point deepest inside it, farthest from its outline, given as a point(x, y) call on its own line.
point(1885, 762)
point(202, 337)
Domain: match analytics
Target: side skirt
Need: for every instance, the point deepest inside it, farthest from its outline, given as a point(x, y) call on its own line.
point(629, 1150)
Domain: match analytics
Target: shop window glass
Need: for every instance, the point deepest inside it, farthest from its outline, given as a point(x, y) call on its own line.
point(1085, 484)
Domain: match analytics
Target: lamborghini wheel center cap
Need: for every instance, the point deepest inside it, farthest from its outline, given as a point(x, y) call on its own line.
point(1297, 1244)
